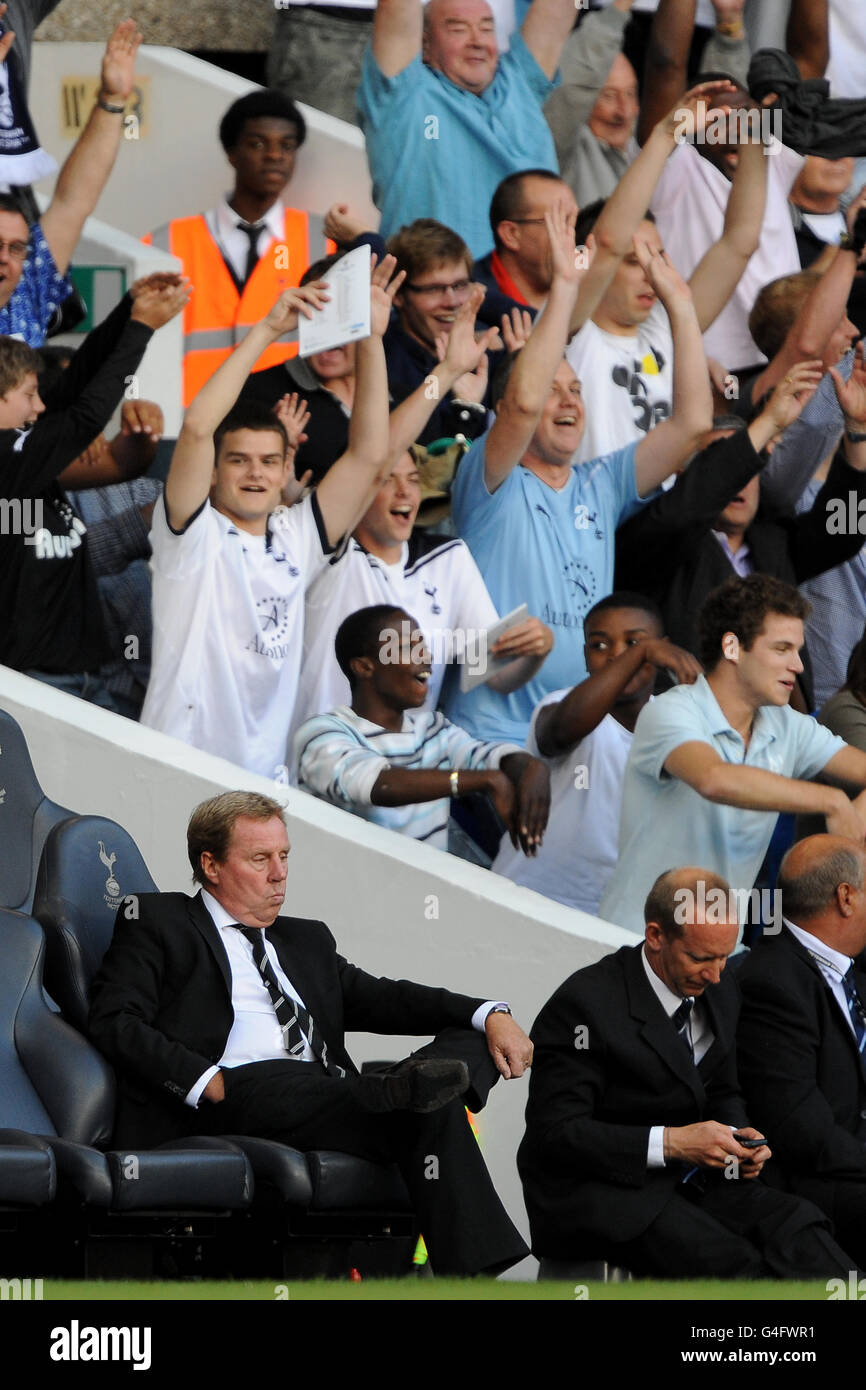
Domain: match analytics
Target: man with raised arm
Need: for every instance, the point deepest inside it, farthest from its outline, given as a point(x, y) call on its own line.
point(34, 260)
point(540, 527)
point(446, 117)
point(231, 565)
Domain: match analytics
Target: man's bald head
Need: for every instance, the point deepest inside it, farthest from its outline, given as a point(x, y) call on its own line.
point(822, 880)
point(691, 929)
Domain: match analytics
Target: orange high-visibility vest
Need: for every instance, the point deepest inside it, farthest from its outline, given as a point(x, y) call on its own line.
point(217, 317)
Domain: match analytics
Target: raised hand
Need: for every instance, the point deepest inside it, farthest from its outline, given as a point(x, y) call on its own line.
point(559, 220)
point(156, 305)
point(533, 806)
point(665, 279)
point(792, 393)
point(516, 328)
point(464, 352)
point(294, 416)
point(118, 63)
point(696, 107)
point(283, 317)
point(384, 284)
point(342, 225)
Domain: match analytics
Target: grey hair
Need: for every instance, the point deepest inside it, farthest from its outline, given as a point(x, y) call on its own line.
point(812, 891)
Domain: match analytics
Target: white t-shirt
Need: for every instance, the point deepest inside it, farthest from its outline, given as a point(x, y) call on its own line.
point(627, 382)
point(580, 846)
point(689, 205)
point(228, 613)
point(847, 49)
point(439, 585)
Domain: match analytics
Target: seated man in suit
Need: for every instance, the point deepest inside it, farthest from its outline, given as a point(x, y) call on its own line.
point(637, 1146)
point(222, 1017)
point(802, 1032)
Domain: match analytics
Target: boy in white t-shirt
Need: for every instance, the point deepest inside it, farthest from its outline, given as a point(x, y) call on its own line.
point(231, 565)
point(584, 735)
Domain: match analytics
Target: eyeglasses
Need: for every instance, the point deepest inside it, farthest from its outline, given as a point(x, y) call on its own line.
point(17, 249)
point(458, 286)
point(528, 221)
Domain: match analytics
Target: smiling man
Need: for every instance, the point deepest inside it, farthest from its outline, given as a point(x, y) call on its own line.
point(243, 253)
point(231, 564)
point(446, 117)
point(224, 1017)
point(712, 764)
point(635, 1126)
point(397, 764)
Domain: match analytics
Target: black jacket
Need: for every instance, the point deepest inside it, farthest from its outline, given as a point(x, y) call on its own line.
point(161, 1007)
point(800, 1070)
point(595, 1095)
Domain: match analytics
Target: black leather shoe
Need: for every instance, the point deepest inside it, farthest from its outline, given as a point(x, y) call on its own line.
point(423, 1085)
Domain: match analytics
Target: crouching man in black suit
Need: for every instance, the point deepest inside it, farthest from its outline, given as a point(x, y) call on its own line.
point(802, 1033)
point(631, 1152)
point(223, 1017)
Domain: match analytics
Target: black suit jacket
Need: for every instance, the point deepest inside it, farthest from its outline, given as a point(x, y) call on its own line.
point(595, 1095)
point(161, 1007)
point(801, 1073)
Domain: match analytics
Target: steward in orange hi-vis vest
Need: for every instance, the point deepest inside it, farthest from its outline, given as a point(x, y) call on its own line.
point(219, 314)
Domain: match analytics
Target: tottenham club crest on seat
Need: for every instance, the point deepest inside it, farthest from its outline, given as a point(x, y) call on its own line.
point(112, 887)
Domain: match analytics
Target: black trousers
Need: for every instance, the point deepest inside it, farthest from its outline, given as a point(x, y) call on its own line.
point(737, 1229)
point(464, 1224)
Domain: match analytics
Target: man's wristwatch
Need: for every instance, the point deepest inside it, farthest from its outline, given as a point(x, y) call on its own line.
point(111, 107)
point(501, 1009)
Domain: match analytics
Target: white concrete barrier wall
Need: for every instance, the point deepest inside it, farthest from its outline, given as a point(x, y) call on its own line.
point(395, 907)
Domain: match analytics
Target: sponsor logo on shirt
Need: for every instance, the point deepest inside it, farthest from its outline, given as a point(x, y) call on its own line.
point(273, 614)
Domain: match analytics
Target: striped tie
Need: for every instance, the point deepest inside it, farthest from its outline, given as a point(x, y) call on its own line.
point(855, 1008)
point(294, 1020)
point(681, 1018)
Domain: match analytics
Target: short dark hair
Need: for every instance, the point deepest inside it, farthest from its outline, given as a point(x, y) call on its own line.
point(9, 203)
point(249, 415)
point(741, 606)
point(361, 635)
point(626, 598)
point(212, 822)
point(810, 892)
point(589, 215)
point(501, 374)
point(54, 359)
point(267, 101)
point(508, 201)
point(17, 360)
point(319, 269)
point(776, 307)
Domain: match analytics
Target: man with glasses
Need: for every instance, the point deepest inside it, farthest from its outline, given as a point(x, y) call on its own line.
point(438, 266)
point(518, 271)
point(34, 260)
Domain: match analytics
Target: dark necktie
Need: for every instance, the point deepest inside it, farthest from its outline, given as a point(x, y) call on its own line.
point(251, 230)
point(855, 1008)
point(680, 1019)
point(293, 1018)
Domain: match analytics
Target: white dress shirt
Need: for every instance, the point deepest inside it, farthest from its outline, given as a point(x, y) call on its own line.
point(702, 1038)
point(223, 224)
point(832, 965)
point(256, 1035)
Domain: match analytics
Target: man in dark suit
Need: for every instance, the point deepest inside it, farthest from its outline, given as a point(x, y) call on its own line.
point(802, 1035)
point(222, 1017)
point(632, 1150)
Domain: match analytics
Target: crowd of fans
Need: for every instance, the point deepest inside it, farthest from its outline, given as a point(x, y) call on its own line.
point(610, 395)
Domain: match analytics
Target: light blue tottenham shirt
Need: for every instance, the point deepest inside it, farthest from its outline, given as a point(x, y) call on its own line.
point(438, 151)
point(554, 551)
point(665, 824)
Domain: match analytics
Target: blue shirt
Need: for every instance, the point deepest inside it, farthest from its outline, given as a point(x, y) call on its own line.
point(38, 294)
point(438, 151)
point(552, 550)
point(665, 823)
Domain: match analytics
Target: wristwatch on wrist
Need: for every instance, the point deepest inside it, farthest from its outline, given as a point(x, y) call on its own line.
point(111, 107)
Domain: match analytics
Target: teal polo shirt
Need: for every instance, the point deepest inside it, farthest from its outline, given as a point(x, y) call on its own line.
point(665, 823)
point(438, 151)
